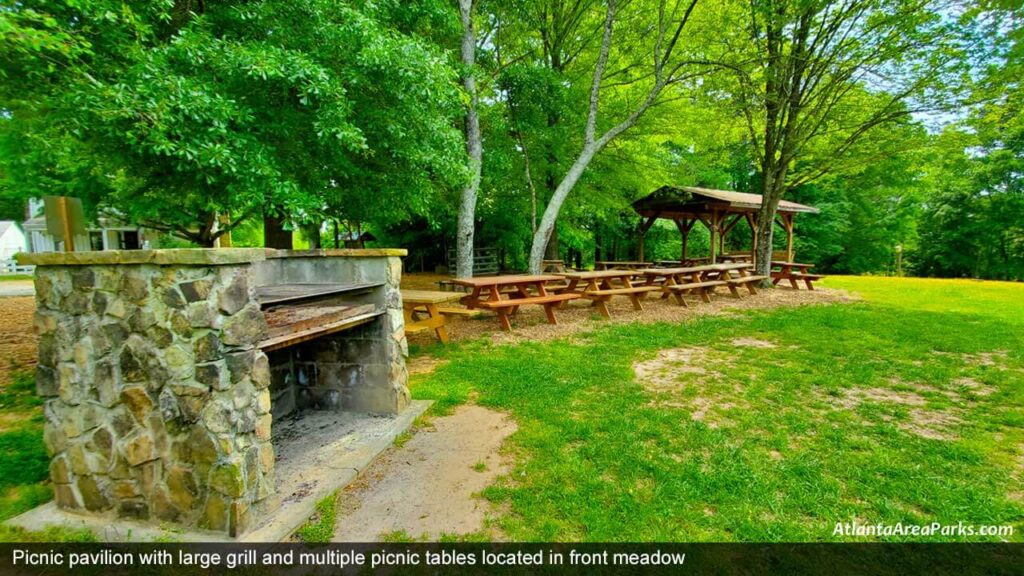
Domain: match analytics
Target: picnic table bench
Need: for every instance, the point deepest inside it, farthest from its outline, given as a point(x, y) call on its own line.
point(529, 289)
point(702, 280)
point(793, 271)
point(429, 303)
point(601, 285)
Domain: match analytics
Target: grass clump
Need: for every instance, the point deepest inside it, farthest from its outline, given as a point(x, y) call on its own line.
point(320, 527)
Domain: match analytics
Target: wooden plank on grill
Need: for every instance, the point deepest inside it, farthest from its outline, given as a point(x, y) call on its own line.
point(280, 293)
point(288, 325)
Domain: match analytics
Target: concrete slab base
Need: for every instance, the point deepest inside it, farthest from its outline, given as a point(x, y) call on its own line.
point(318, 454)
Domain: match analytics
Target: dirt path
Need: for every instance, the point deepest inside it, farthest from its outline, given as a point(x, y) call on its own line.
point(426, 488)
point(17, 288)
point(17, 339)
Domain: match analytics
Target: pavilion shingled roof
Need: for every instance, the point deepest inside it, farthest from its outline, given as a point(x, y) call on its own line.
point(668, 201)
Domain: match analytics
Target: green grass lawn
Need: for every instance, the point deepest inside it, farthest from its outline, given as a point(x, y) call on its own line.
point(23, 460)
point(906, 407)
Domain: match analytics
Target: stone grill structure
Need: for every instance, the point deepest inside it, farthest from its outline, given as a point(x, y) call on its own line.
point(161, 402)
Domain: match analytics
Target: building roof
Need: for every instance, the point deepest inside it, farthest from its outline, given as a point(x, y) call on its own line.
point(5, 225)
point(692, 201)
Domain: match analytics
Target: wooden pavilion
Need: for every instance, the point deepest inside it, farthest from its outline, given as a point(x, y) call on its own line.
point(719, 210)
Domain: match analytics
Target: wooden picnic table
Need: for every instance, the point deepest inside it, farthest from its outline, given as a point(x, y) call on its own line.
point(528, 289)
point(552, 266)
point(621, 264)
point(600, 285)
point(683, 263)
point(416, 303)
point(737, 257)
point(793, 271)
point(702, 280)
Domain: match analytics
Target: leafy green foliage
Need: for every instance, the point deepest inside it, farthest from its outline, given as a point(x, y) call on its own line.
point(198, 118)
point(178, 115)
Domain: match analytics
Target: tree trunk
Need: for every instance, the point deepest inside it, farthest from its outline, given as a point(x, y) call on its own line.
point(547, 222)
point(274, 234)
point(553, 251)
point(474, 147)
point(771, 192)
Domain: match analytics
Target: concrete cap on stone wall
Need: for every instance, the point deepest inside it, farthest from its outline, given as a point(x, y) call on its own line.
point(339, 253)
point(192, 256)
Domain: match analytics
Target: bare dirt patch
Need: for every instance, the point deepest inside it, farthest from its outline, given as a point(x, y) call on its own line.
point(662, 373)
point(578, 316)
point(17, 338)
point(674, 375)
point(423, 364)
point(995, 358)
point(752, 343)
point(427, 487)
point(887, 395)
point(932, 424)
point(974, 387)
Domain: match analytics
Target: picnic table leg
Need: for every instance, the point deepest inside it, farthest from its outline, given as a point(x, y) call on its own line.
point(680, 300)
point(670, 280)
point(602, 306)
point(440, 330)
point(808, 282)
point(470, 300)
point(549, 309)
point(506, 325)
point(777, 277)
point(635, 299)
point(570, 288)
point(726, 276)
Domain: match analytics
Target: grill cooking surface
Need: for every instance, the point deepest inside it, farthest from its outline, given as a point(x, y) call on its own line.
point(287, 325)
point(280, 293)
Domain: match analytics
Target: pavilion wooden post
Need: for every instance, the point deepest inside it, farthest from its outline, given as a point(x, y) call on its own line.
point(728, 228)
point(786, 221)
point(684, 225)
point(714, 226)
point(751, 218)
point(644, 227)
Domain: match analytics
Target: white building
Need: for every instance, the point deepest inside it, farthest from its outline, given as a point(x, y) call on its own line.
point(102, 234)
point(12, 240)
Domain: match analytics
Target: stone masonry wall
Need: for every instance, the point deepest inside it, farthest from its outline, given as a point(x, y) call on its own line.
point(156, 397)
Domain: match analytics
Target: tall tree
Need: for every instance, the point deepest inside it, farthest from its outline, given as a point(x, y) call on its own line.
point(190, 117)
point(829, 74)
point(661, 71)
point(474, 145)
